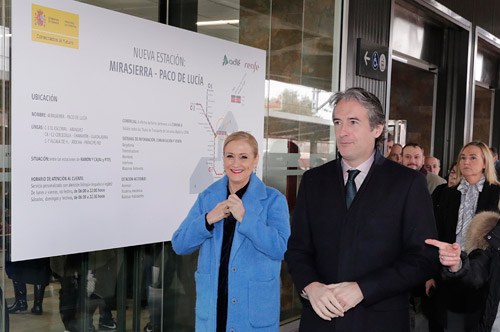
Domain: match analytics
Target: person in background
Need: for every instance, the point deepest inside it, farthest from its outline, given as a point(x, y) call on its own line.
point(413, 157)
point(494, 153)
point(358, 228)
point(396, 153)
point(432, 164)
point(452, 175)
point(240, 228)
point(98, 284)
point(390, 143)
point(496, 162)
point(478, 190)
point(34, 271)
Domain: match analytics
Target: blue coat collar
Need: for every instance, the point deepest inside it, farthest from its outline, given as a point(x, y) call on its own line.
point(255, 193)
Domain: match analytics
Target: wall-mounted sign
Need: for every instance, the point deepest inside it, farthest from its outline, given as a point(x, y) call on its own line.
point(117, 124)
point(371, 60)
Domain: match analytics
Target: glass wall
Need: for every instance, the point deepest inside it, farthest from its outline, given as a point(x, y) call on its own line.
point(149, 287)
point(5, 225)
point(412, 100)
point(486, 76)
point(483, 112)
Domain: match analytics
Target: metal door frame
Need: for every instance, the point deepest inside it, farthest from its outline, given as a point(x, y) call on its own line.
point(449, 16)
point(484, 35)
point(423, 65)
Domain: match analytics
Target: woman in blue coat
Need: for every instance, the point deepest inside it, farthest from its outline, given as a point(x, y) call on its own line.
point(241, 228)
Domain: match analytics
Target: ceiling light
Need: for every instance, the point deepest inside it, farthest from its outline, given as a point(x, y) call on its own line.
point(219, 22)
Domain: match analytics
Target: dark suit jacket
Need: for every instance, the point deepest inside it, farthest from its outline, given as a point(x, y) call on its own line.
point(378, 242)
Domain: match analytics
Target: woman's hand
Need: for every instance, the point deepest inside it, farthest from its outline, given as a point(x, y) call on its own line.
point(429, 284)
point(235, 206)
point(219, 212)
point(449, 254)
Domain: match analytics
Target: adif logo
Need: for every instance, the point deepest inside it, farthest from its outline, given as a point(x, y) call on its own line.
point(232, 62)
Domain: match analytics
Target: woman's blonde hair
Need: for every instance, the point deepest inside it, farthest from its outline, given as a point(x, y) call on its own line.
point(489, 170)
point(243, 136)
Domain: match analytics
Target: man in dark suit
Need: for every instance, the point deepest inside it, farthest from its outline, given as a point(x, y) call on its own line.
point(358, 230)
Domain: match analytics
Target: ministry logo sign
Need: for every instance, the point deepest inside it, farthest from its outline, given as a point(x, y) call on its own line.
point(40, 19)
point(54, 26)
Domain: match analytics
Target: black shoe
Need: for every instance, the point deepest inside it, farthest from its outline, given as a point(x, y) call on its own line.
point(108, 325)
point(20, 292)
point(37, 309)
point(39, 292)
point(19, 305)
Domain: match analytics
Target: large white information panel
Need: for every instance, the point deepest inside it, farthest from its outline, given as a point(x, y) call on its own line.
point(117, 124)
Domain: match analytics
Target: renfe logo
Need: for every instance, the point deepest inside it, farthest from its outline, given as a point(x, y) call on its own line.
point(254, 66)
point(232, 62)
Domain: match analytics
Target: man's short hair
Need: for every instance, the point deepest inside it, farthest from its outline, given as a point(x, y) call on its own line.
point(413, 145)
point(494, 151)
point(439, 161)
point(390, 137)
point(369, 101)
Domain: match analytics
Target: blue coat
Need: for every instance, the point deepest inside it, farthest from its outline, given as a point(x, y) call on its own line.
point(258, 247)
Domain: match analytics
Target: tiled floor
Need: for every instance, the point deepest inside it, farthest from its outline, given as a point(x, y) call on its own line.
point(179, 300)
point(50, 320)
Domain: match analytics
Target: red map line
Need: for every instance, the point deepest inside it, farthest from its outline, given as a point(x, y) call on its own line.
point(211, 168)
point(208, 120)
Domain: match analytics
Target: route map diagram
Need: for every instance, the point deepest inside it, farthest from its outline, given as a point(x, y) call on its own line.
point(211, 167)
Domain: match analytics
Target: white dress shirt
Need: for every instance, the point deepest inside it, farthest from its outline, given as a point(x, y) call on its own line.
point(364, 168)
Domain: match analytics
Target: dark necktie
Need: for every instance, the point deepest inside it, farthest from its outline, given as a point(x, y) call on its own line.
point(350, 186)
